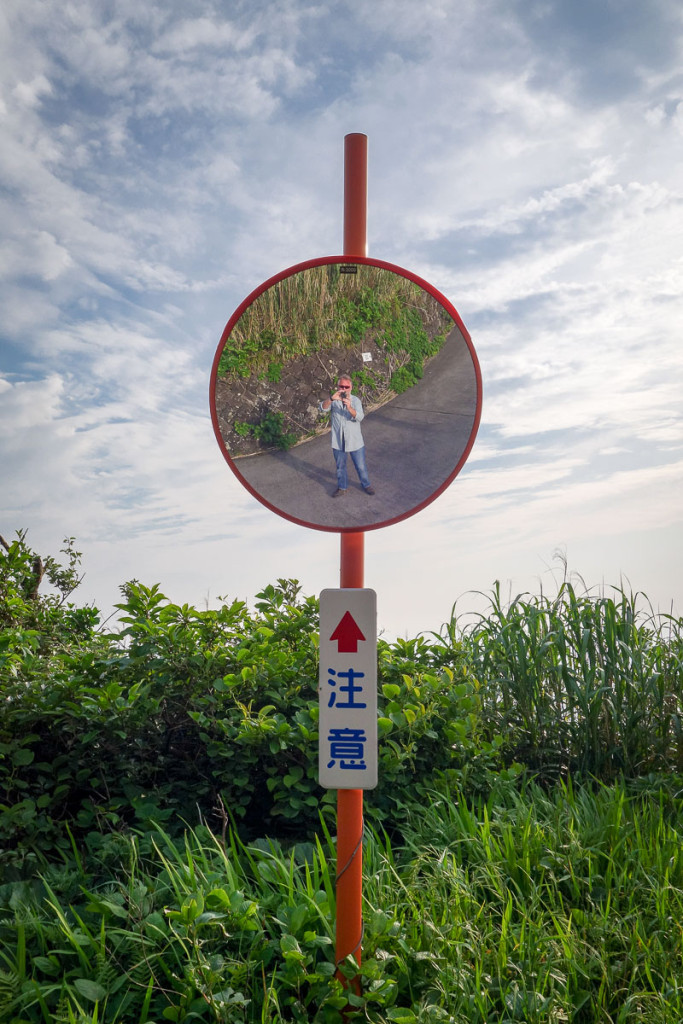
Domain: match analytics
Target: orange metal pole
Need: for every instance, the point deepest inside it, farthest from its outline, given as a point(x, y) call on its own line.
point(352, 567)
point(349, 926)
point(355, 195)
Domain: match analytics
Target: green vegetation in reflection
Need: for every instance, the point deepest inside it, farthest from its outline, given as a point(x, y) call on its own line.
point(323, 308)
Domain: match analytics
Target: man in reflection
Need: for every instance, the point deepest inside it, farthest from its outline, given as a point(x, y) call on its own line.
point(346, 413)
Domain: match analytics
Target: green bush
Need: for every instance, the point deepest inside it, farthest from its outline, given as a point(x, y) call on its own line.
point(184, 713)
point(402, 379)
point(526, 906)
point(486, 897)
point(189, 715)
point(269, 431)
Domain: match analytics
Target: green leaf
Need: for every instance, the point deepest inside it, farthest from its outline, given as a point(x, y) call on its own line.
point(89, 989)
point(401, 1015)
point(22, 757)
point(192, 908)
point(390, 690)
point(292, 777)
point(107, 907)
point(44, 964)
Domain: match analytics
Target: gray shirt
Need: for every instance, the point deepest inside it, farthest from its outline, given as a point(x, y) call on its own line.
point(346, 432)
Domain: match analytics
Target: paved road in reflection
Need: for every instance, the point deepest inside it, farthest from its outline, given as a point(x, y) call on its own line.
point(413, 444)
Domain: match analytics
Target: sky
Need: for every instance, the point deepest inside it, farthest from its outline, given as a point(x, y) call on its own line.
point(160, 160)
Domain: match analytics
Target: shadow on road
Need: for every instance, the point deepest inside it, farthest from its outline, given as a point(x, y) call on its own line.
point(413, 445)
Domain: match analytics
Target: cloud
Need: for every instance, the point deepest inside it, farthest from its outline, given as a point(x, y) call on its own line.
point(160, 160)
point(608, 47)
point(30, 93)
point(36, 254)
point(198, 33)
point(29, 404)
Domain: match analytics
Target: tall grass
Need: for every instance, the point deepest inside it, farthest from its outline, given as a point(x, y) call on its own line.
point(528, 906)
point(579, 682)
point(551, 907)
point(491, 898)
point(193, 931)
point(320, 308)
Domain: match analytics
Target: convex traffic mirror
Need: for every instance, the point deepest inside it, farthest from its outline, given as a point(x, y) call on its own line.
point(345, 394)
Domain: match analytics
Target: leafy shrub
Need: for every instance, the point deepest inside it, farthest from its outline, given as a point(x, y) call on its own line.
point(525, 906)
point(212, 715)
point(561, 904)
point(271, 431)
point(185, 713)
point(402, 379)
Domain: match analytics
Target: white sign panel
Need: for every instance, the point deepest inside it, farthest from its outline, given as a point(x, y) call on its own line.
point(347, 687)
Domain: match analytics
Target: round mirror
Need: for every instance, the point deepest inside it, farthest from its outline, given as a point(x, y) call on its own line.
point(345, 394)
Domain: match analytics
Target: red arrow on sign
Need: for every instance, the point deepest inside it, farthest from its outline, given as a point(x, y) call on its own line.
point(347, 634)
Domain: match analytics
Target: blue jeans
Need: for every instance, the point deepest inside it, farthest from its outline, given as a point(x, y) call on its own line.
point(358, 461)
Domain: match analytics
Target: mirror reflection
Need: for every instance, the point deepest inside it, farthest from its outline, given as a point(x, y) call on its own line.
point(345, 395)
